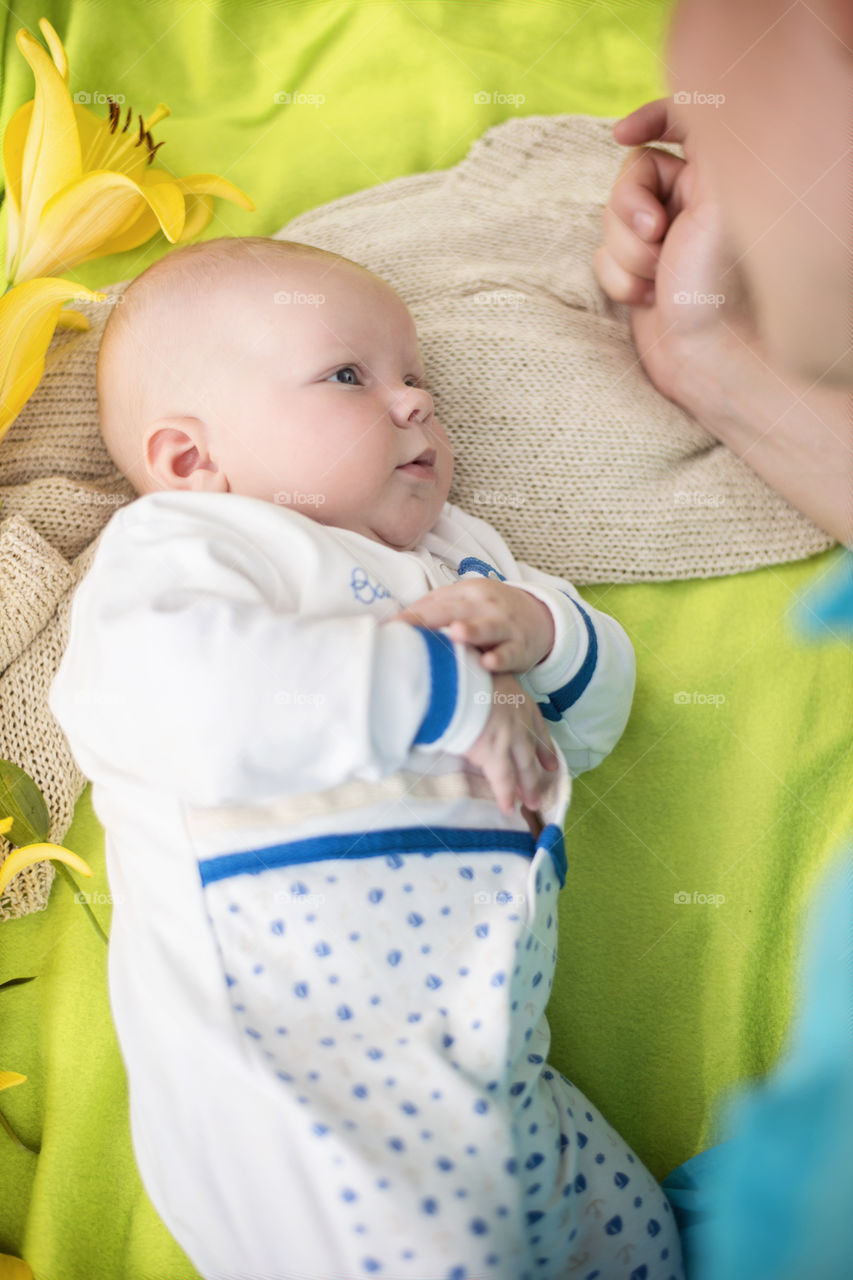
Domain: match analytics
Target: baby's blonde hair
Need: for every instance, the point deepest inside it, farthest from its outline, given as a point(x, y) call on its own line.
point(141, 348)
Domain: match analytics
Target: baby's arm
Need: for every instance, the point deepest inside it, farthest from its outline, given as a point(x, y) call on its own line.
point(188, 669)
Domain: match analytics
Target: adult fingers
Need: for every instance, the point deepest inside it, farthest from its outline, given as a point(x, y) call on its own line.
point(499, 770)
point(652, 122)
point(643, 189)
point(627, 248)
point(618, 283)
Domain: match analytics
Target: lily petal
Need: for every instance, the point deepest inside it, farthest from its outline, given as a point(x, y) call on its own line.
point(14, 141)
point(210, 184)
point(77, 221)
point(199, 213)
point(29, 854)
point(14, 1268)
point(72, 320)
point(51, 157)
point(5, 824)
point(57, 50)
point(28, 316)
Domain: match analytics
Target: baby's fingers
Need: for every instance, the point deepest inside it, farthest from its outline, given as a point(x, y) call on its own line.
point(480, 631)
point(530, 781)
point(499, 770)
point(503, 657)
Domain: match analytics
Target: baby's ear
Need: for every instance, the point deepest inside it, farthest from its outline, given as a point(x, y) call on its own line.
point(176, 456)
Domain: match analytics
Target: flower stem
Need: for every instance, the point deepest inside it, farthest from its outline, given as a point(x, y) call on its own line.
point(80, 897)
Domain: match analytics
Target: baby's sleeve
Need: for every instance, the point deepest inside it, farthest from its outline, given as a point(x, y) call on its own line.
point(587, 679)
point(189, 669)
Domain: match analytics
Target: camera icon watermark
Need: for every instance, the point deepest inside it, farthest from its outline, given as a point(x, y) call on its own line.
point(683, 99)
point(298, 698)
point(482, 99)
point(105, 299)
point(683, 498)
point(96, 99)
point(496, 697)
point(697, 299)
point(285, 99)
point(503, 897)
point(498, 298)
point(700, 899)
point(685, 699)
point(102, 499)
point(288, 298)
point(499, 497)
point(293, 498)
point(285, 897)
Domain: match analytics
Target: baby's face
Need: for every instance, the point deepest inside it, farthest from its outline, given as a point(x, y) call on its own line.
point(323, 407)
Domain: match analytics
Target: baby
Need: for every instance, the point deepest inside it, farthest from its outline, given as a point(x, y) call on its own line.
point(312, 697)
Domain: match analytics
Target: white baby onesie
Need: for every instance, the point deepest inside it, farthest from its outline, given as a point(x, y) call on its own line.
point(331, 952)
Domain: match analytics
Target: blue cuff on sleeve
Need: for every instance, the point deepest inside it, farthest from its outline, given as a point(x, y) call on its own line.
point(563, 698)
point(444, 687)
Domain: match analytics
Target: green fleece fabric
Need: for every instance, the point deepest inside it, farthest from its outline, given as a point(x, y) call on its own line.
point(731, 786)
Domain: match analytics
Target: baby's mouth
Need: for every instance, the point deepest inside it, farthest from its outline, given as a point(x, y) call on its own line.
point(422, 467)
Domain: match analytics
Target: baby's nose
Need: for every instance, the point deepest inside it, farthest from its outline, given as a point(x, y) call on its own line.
point(414, 407)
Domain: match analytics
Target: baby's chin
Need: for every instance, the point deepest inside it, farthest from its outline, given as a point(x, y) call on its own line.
point(400, 535)
point(400, 530)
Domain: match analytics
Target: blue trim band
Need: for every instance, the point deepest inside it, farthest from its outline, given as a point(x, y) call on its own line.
point(472, 564)
point(561, 699)
point(551, 837)
point(368, 844)
point(444, 687)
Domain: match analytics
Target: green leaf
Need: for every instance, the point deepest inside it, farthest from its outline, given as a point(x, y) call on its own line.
point(21, 800)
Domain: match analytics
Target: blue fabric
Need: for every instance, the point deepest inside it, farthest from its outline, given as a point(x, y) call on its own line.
point(561, 699)
point(473, 564)
point(367, 844)
point(444, 684)
point(775, 1202)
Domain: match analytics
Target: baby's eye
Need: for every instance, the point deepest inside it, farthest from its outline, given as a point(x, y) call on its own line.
point(347, 368)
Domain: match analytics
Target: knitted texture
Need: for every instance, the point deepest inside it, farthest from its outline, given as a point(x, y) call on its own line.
point(561, 441)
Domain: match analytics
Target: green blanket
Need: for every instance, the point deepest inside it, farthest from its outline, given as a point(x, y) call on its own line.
point(731, 787)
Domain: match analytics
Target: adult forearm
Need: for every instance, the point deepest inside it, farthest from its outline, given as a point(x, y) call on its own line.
point(799, 439)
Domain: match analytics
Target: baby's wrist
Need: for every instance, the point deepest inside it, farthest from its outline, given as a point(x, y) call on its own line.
point(546, 631)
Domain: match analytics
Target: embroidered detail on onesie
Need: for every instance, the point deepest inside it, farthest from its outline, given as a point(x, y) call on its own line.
point(366, 589)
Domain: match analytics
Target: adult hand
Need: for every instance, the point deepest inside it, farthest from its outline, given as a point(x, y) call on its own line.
point(664, 250)
point(694, 332)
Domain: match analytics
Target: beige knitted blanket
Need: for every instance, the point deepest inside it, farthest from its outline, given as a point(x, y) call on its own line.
point(560, 440)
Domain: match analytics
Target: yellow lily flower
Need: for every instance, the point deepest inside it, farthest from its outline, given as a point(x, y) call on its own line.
point(28, 854)
point(14, 1268)
point(80, 186)
point(28, 316)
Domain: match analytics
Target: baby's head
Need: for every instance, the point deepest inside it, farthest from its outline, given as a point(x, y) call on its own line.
point(278, 371)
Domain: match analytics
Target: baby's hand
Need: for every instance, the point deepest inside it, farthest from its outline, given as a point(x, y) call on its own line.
point(513, 746)
point(512, 629)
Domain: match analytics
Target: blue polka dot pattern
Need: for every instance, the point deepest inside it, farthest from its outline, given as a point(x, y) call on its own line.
point(401, 1008)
